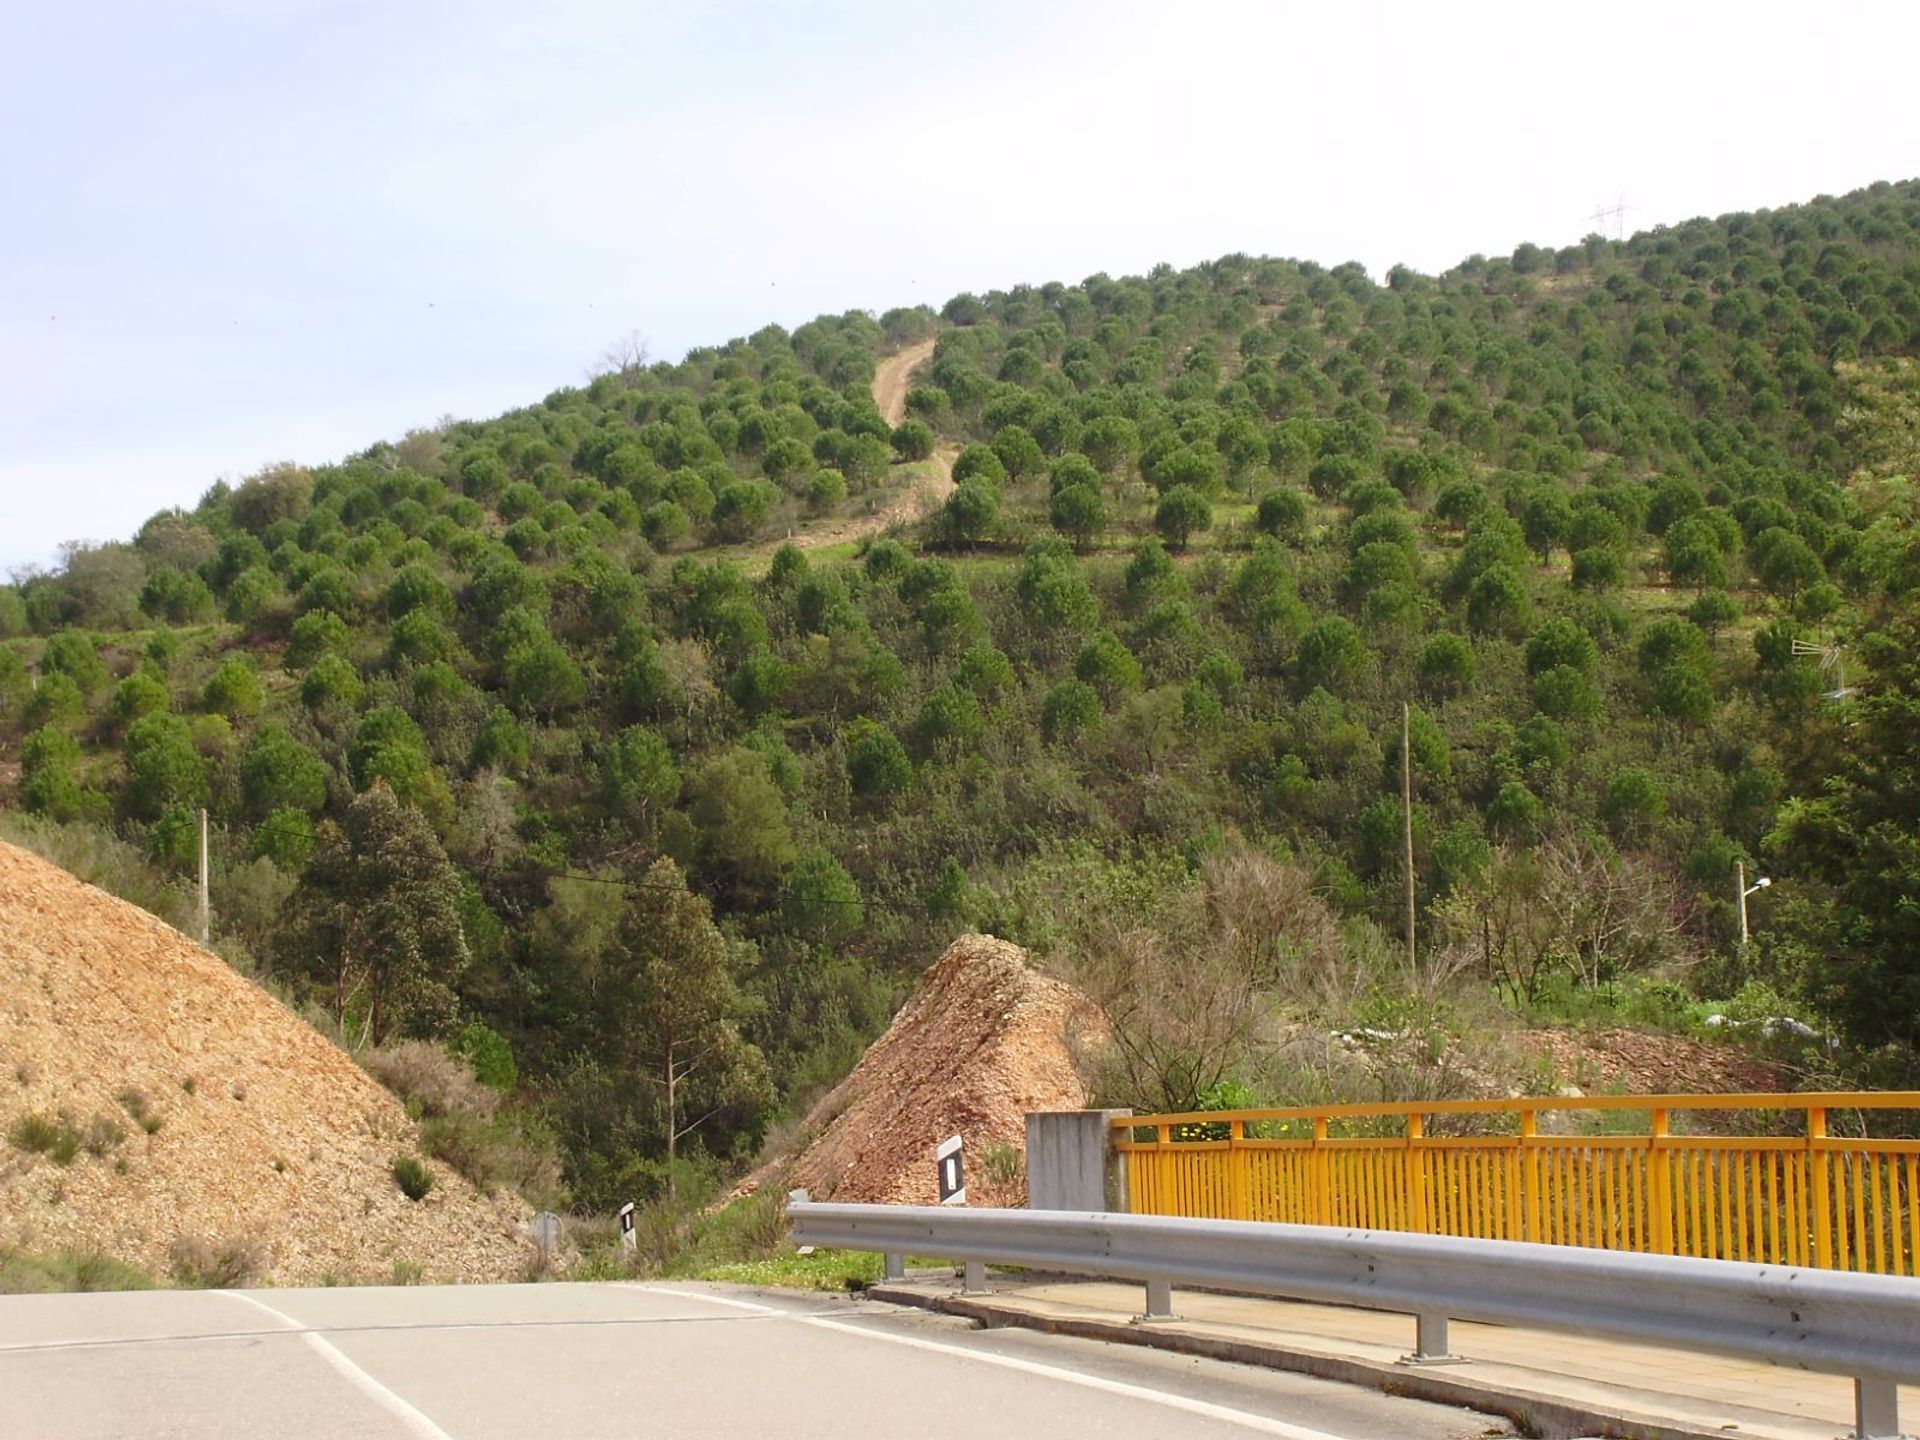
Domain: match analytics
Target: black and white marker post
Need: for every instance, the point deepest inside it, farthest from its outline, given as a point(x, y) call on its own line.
point(627, 1239)
point(950, 1157)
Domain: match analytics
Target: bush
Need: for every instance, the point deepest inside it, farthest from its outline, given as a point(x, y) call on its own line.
point(431, 1081)
point(413, 1178)
point(38, 1135)
point(490, 1055)
point(200, 1264)
point(511, 1150)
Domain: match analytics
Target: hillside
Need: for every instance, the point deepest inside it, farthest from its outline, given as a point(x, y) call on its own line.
point(1627, 526)
point(203, 1111)
point(982, 1042)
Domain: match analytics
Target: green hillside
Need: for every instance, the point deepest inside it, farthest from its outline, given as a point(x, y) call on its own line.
point(1614, 521)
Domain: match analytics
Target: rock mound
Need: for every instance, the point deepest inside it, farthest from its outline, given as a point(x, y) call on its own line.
point(983, 1040)
point(203, 1110)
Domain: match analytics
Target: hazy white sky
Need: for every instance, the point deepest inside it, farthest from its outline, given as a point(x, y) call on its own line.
point(236, 231)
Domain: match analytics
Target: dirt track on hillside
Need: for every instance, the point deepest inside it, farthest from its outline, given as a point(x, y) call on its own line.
point(905, 503)
point(894, 378)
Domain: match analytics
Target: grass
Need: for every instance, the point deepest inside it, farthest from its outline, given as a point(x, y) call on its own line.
point(58, 1140)
point(51, 1272)
point(837, 1271)
point(413, 1178)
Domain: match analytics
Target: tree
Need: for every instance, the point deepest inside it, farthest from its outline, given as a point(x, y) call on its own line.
point(821, 902)
point(745, 841)
point(1183, 511)
point(234, 691)
point(672, 1009)
point(1107, 665)
point(1078, 512)
point(377, 915)
point(163, 767)
point(877, 763)
point(1447, 664)
point(969, 514)
point(1070, 710)
point(1282, 514)
point(278, 772)
point(1498, 603)
point(640, 777)
point(72, 654)
point(913, 439)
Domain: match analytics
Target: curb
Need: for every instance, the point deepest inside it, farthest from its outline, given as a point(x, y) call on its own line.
point(1531, 1412)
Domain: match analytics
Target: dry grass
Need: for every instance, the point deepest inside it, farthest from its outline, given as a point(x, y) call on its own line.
point(198, 1263)
point(431, 1081)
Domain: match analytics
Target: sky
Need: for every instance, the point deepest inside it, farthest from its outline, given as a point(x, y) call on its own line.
point(234, 232)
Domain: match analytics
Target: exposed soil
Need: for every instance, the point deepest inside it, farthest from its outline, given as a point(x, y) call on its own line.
point(1634, 1062)
point(893, 377)
point(267, 1133)
point(925, 490)
point(983, 1040)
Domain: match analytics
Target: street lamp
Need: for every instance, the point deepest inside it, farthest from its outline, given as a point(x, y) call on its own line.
point(1740, 884)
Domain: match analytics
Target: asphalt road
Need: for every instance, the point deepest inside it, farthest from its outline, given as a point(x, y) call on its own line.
point(581, 1362)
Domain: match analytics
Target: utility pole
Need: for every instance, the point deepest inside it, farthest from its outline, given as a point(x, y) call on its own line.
point(1406, 816)
point(206, 904)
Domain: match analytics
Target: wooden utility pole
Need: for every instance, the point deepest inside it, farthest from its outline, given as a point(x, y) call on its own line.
point(1406, 816)
point(206, 903)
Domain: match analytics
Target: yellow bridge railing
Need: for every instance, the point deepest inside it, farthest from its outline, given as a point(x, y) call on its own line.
point(1803, 1197)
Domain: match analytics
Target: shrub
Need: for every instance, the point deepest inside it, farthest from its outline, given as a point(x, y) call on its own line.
point(38, 1135)
point(413, 1178)
point(510, 1150)
point(490, 1055)
point(137, 1104)
point(431, 1081)
point(201, 1264)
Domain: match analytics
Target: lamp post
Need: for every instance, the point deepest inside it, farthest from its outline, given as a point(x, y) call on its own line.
point(1740, 884)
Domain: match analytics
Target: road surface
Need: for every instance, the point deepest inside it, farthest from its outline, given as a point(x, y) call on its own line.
point(583, 1362)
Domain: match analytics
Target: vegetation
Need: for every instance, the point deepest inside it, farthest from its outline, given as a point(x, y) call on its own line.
point(413, 1177)
point(25, 1272)
point(483, 715)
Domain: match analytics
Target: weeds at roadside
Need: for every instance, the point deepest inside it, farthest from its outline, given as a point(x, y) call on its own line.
point(62, 1271)
point(202, 1264)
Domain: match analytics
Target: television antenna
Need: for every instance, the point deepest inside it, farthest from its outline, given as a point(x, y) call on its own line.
point(1616, 212)
point(1831, 665)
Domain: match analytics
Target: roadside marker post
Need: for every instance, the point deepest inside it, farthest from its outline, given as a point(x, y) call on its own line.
point(627, 1238)
point(951, 1159)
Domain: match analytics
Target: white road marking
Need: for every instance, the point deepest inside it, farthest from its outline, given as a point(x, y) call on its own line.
point(417, 1424)
point(1246, 1418)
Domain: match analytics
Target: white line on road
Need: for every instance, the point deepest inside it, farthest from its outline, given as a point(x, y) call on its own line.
point(1264, 1424)
point(417, 1424)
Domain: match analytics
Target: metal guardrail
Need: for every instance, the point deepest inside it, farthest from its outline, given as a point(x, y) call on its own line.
point(1805, 1199)
point(1863, 1326)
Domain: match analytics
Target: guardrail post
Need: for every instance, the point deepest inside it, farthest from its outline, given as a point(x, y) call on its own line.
point(1660, 1185)
point(973, 1278)
point(1821, 1177)
point(1240, 1168)
point(1322, 1203)
point(1159, 1302)
point(893, 1266)
point(1527, 1224)
point(1430, 1341)
point(1876, 1409)
point(1417, 1175)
